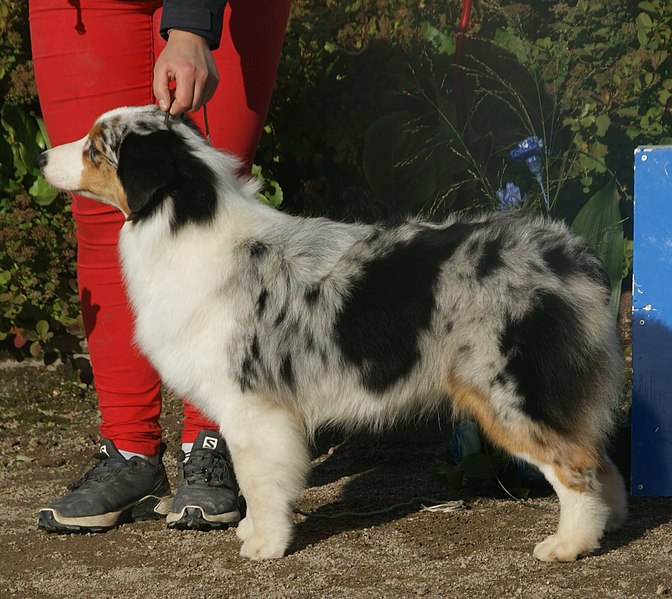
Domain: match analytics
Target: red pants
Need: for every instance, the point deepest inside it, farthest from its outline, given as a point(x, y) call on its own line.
point(94, 55)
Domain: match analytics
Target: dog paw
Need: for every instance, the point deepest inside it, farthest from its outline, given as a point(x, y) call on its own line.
point(557, 549)
point(260, 546)
point(244, 529)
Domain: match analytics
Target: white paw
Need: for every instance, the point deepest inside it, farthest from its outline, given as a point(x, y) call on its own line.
point(260, 545)
point(245, 528)
point(557, 549)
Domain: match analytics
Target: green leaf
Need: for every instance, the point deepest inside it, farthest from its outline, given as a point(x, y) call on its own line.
point(644, 21)
point(21, 130)
point(42, 328)
point(519, 47)
point(602, 122)
point(43, 193)
point(442, 42)
point(42, 137)
point(272, 193)
point(23, 458)
point(599, 222)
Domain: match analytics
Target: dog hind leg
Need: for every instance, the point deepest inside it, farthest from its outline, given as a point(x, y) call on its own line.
point(271, 462)
point(590, 489)
point(584, 513)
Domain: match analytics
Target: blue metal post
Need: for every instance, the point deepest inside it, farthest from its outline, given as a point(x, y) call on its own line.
point(652, 324)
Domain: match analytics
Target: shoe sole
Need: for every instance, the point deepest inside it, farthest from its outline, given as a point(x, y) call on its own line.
point(148, 508)
point(193, 517)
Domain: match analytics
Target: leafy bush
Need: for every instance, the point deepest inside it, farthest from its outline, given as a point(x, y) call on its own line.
point(38, 301)
point(365, 119)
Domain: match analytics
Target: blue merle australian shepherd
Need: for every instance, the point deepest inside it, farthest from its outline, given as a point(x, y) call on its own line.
point(275, 325)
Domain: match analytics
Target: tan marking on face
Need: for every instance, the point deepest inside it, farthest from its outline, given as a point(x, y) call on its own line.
point(99, 176)
point(574, 459)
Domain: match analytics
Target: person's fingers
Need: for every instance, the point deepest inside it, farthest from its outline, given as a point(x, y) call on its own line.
point(185, 73)
point(185, 84)
point(161, 87)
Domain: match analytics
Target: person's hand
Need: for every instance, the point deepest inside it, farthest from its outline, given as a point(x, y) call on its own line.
point(188, 62)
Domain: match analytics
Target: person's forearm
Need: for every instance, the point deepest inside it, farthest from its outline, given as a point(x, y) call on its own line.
point(203, 17)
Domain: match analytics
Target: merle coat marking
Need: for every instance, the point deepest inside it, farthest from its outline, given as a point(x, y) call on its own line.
point(275, 325)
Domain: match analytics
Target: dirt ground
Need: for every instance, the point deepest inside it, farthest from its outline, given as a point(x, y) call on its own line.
point(48, 431)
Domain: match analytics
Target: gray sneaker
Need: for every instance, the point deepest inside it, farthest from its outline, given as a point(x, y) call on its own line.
point(207, 495)
point(114, 491)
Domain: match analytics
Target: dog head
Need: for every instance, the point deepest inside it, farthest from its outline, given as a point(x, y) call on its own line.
point(135, 158)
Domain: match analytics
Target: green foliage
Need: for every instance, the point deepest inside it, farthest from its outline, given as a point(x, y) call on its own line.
point(38, 301)
point(485, 472)
point(344, 65)
point(24, 137)
point(271, 194)
point(364, 119)
point(606, 64)
point(599, 222)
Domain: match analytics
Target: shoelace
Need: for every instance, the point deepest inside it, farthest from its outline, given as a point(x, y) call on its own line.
point(103, 470)
point(207, 466)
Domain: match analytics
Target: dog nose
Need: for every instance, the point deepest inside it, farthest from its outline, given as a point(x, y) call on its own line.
point(42, 160)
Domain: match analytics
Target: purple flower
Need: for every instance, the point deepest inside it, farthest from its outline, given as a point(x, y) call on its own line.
point(531, 151)
point(510, 197)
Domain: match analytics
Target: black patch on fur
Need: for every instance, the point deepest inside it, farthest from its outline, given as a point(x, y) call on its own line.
point(248, 374)
point(287, 371)
point(159, 165)
point(255, 350)
point(312, 294)
point(144, 127)
point(281, 316)
point(249, 369)
point(500, 380)
point(593, 265)
point(258, 249)
point(559, 261)
point(582, 260)
point(261, 301)
point(391, 303)
point(549, 363)
point(490, 259)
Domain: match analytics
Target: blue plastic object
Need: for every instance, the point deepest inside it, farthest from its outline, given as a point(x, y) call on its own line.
point(652, 324)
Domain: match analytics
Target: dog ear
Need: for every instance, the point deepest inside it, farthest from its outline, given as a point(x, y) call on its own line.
point(147, 164)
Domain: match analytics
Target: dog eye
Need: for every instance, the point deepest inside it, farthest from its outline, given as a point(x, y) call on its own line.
point(93, 154)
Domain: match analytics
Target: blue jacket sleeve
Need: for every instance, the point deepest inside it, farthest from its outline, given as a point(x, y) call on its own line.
point(203, 17)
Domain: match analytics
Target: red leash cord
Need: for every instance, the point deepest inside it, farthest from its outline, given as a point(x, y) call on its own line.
point(460, 110)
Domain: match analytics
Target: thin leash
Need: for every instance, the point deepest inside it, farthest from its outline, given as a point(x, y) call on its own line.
point(205, 122)
point(437, 505)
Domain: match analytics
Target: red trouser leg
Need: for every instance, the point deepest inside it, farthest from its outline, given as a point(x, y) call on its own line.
point(94, 55)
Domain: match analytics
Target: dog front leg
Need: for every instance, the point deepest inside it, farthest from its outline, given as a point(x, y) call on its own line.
point(271, 461)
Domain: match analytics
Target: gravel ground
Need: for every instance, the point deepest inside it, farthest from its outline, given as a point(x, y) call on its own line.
point(48, 432)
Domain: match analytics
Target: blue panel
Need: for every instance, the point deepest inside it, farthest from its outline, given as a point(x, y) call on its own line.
point(652, 324)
